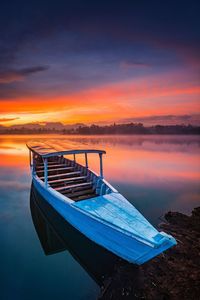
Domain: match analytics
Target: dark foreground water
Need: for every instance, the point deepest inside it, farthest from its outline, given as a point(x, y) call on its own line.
point(41, 255)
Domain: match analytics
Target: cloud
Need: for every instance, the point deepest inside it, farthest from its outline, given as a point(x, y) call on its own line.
point(169, 94)
point(10, 76)
point(2, 120)
point(133, 64)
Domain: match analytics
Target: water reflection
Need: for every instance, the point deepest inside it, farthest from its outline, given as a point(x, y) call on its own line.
point(56, 235)
point(155, 173)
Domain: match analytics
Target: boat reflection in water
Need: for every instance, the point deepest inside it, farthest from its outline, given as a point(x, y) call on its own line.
point(56, 235)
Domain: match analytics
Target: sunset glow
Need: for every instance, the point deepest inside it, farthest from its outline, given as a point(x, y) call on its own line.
point(108, 103)
point(133, 66)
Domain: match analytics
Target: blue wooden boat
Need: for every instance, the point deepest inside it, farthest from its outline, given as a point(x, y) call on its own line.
point(89, 203)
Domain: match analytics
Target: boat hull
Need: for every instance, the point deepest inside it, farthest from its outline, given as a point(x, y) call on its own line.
point(111, 238)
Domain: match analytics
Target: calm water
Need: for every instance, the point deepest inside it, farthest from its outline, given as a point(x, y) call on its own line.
point(43, 257)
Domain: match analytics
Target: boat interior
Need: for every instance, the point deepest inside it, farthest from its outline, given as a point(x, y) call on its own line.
point(71, 179)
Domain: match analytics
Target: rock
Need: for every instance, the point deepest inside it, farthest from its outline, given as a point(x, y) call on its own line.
point(173, 275)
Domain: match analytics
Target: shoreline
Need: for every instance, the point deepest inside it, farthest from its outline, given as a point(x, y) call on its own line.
point(99, 134)
point(173, 275)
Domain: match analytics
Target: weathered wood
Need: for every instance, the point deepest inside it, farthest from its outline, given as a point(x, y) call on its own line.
point(77, 189)
point(67, 179)
point(62, 175)
point(49, 163)
point(51, 166)
point(83, 197)
point(70, 194)
point(72, 186)
point(55, 170)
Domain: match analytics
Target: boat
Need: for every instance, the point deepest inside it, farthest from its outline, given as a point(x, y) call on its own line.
point(92, 205)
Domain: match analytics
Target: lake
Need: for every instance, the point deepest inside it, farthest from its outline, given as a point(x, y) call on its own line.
point(43, 257)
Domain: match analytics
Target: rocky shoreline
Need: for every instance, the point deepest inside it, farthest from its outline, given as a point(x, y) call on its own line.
point(173, 275)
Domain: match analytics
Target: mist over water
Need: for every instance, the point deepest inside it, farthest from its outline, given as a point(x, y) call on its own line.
point(155, 173)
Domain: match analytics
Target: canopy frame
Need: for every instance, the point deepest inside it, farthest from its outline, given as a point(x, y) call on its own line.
point(42, 152)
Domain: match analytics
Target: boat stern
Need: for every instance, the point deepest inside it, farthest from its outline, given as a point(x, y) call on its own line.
point(163, 241)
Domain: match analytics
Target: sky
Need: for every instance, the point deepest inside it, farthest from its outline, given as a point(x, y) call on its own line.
point(99, 62)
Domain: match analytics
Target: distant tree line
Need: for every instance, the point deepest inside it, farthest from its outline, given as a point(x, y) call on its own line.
point(130, 128)
point(137, 128)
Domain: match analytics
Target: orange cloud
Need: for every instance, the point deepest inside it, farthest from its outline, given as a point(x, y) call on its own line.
point(142, 97)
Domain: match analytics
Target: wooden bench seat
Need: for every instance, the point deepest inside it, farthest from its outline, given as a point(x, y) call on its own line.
point(73, 186)
point(71, 194)
point(67, 179)
point(52, 166)
point(55, 170)
point(83, 197)
point(62, 175)
point(49, 163)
